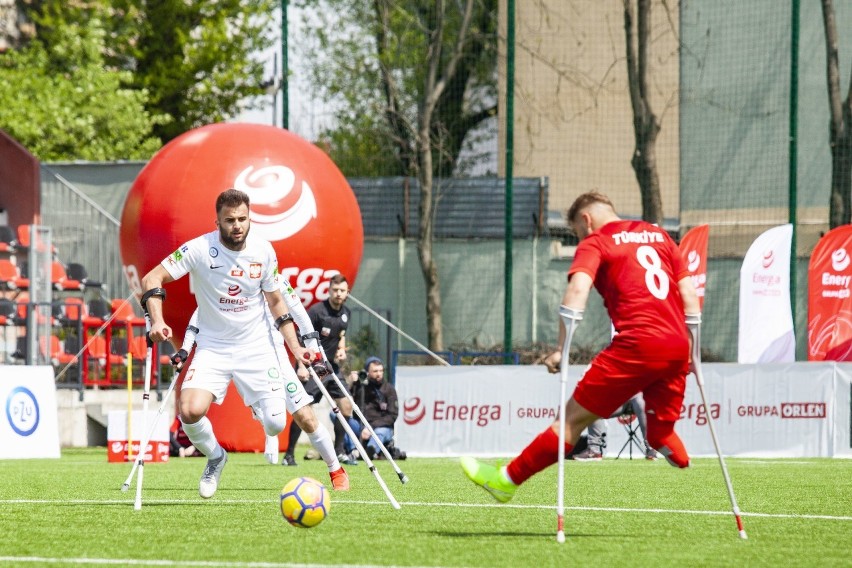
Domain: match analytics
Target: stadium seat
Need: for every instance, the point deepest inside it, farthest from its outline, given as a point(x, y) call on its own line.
point(10, 276)
point(8, 312)
point(77, 271)
point(8, 242)
point(97, 359)
point(57, 354)
point(23, 233)
point(60, 280)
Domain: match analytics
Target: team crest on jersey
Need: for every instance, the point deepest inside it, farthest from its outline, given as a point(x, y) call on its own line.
point(344, 318)
point(273, 373)
point(291, 387)
point(255, 269)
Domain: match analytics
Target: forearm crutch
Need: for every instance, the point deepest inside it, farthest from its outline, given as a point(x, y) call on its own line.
point(693, 321)
point(355, 440)
point(146, 395)
point(570, 318)
point(402, 477)
point(136, 463)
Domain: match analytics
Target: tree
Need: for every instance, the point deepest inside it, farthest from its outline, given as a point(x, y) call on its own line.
point(646, 125)
point(62, 104)
point(429, 72)
point(193, 58)
point(840, 127)
point(370, 68)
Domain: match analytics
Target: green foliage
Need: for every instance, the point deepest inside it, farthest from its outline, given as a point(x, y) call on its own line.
point(192, 60)
point(375, 114)
point(61, 103)
point(362, 344)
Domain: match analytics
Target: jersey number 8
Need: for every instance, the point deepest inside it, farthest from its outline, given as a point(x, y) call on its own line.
point(655, 278)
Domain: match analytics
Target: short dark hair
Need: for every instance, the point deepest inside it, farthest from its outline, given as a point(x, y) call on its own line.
point(231, 198)
point(584, 201)
point(338, 279)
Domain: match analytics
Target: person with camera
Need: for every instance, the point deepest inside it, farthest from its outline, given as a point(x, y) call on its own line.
point(379, 403)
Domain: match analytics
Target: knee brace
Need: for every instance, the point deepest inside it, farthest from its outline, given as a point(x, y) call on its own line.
point(272, 413)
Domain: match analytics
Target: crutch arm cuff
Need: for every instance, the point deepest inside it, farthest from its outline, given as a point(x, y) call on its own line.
point(693, 319)
point(571, 313)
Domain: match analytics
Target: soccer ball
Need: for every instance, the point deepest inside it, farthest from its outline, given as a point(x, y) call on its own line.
point(304, 502)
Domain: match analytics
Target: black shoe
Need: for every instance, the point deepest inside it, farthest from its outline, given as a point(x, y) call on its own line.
point(288, 460)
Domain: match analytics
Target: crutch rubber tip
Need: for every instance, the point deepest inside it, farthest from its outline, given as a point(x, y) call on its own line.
point(743, 535)
point(560, 537)
point(403, 478)
point(125, 487)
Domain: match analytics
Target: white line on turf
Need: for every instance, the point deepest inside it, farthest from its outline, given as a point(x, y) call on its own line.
point(164, 562)
point(198, 502)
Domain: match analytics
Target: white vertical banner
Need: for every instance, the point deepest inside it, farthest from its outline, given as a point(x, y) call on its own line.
point(766, 318)
point(29, 427)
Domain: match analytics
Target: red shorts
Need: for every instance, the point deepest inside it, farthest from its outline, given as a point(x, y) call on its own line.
point(613, 378)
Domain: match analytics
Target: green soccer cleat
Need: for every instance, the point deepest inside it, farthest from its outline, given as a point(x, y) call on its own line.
point(489, 478)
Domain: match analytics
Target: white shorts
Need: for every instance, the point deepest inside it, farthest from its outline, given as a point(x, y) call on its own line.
point(256, 371)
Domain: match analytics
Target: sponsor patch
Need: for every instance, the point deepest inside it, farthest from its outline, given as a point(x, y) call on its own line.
point(291, 387)
point(273, 373)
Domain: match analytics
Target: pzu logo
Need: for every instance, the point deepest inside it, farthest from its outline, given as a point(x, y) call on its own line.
point(22, 411)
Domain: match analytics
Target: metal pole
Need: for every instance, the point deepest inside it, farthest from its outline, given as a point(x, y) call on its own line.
point(793, 151)
point(285, 69)
point(510, 118)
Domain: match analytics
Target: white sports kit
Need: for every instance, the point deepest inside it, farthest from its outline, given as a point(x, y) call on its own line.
point(237, 338)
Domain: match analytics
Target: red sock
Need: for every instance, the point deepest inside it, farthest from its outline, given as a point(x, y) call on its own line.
point(674, 451)
point(542, 452)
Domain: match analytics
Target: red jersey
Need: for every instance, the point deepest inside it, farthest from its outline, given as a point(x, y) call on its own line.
point(635, 267)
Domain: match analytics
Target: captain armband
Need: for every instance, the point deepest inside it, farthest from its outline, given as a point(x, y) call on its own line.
point(159, 292)
point(281, 320)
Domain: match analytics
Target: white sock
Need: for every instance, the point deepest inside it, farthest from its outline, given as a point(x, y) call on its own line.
point(270, 451)
point(322, 442)
point(202, 437)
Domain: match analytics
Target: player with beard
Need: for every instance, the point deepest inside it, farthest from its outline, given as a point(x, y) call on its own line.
point(234, 274)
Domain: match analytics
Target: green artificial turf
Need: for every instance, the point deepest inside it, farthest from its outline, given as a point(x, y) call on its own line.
point(633, 513)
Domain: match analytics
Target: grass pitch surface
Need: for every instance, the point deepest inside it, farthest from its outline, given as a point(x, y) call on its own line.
point(71, 511)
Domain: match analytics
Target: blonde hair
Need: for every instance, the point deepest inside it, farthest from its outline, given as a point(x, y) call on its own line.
point(586, 199)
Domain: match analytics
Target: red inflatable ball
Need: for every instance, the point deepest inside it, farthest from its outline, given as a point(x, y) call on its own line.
point(300, 202)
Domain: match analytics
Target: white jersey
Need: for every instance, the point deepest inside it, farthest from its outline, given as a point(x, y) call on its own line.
point(228, 287)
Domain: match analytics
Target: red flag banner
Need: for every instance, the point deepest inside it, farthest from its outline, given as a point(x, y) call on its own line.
point(829, 302)
point(693, 248)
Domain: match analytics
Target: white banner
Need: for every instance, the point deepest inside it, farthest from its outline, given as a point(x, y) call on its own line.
point(766, 318)
point(29, 427)
point(768, 410)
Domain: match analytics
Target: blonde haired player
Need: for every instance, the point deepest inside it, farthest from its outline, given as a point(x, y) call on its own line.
point(650, 299)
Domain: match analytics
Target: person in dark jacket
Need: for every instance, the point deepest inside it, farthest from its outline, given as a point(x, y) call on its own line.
point(379, 404)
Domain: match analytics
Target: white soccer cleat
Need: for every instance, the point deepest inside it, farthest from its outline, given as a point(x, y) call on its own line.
point(210, 478)
point(270, 451)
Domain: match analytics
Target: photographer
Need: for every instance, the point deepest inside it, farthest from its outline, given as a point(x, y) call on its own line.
point(379, 404)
